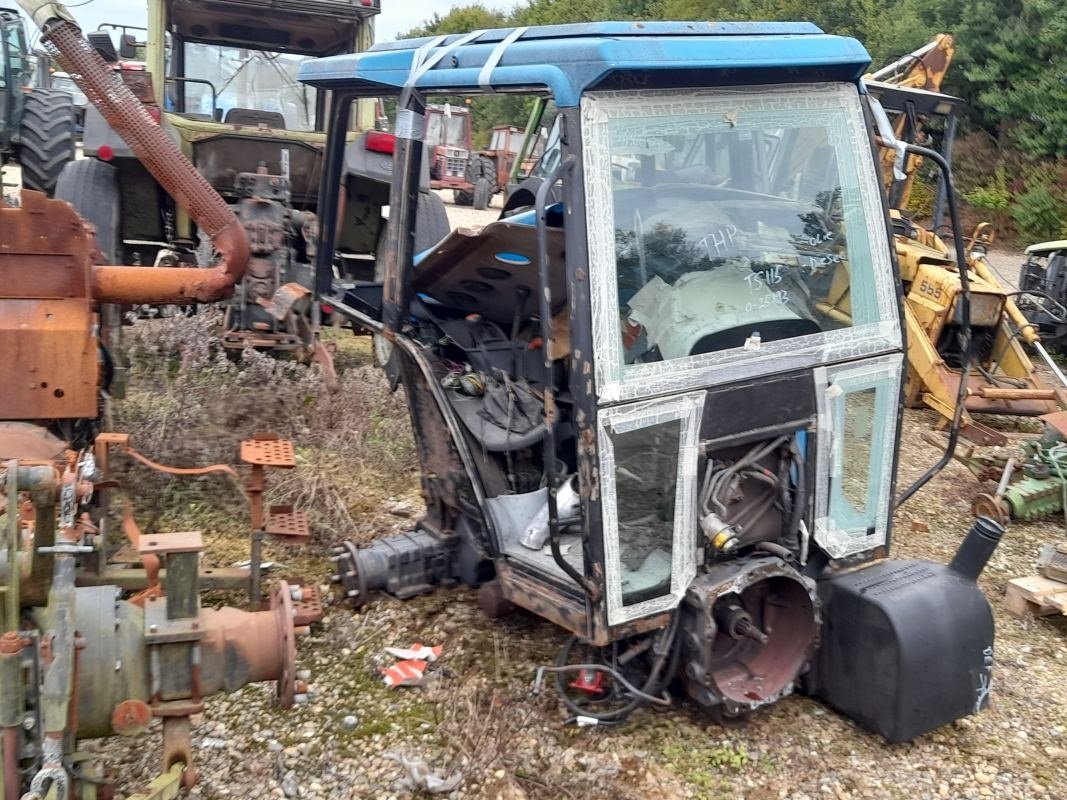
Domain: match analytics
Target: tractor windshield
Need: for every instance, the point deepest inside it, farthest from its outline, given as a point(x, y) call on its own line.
point(247, 81)
point(742, 218)
point(446, 129)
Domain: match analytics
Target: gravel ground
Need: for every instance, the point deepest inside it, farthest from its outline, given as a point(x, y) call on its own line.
point(467, 217)
point(479, 720)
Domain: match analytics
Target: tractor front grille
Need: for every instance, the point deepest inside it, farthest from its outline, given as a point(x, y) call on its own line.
point(456, 163)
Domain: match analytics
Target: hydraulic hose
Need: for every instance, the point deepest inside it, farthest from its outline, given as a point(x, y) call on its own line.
point(663, 667)
point(966, 339)
point(164, 159)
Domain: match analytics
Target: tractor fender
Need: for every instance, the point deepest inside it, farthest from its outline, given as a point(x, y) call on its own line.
point(375, 166)
point(523, 196)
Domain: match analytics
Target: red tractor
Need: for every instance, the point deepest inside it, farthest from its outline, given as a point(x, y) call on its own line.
point(473, 177)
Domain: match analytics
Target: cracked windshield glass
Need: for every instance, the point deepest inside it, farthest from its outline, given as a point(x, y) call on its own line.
point(240, 78)
point(731, 228)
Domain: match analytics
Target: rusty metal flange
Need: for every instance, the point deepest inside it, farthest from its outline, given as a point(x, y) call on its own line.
point(992, 506)
point(281, 603)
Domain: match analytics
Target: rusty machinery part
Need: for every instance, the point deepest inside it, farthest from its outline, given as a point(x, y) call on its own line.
point(993, 506)
point(281, 604)
point(31, 442)
point(924, 68)
point(492, 602)
point(83, 662)
point(749, 628)
point(272, 305)
point(46, 315)
point(1032, 488)
point(405, 564)
point(163, 158)
point(1030, 499)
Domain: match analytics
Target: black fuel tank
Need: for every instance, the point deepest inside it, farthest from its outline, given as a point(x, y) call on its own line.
point(907, 646)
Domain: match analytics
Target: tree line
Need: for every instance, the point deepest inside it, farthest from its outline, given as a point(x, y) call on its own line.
point(1010, 67)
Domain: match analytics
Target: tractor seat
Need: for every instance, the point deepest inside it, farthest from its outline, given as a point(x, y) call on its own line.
point(254, 118)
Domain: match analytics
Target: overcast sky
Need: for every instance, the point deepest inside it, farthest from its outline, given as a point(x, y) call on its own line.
point(397, 16)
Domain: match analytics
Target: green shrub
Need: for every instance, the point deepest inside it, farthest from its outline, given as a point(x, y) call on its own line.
point(921, 200)
point(993, 199)
point(1039, 214)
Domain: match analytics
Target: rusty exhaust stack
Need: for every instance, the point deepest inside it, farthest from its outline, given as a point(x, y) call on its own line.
point(164, 159)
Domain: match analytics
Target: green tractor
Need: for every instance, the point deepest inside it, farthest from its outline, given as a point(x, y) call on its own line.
point(37, 125)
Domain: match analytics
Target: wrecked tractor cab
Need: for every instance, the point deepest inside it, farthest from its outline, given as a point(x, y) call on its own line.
point(663, 411)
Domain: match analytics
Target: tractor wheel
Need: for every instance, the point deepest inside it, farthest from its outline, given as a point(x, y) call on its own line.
point(431, 221)
point(382, 348)
point(483, 193)
point(462, 198)
point(92, 187)
point(46, 138)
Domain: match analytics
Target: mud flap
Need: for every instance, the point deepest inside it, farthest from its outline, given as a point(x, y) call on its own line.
point(906, 646)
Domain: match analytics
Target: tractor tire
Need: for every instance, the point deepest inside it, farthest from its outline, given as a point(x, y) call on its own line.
point(46, 138)
point(462, 198)
point(483, 193)
point(431, 221)
point(431, 226)
point(382, 350)
point(92, 187)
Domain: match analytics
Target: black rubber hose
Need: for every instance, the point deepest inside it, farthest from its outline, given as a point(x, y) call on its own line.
point(800, 500)
point(651, 686)
point(776, 549)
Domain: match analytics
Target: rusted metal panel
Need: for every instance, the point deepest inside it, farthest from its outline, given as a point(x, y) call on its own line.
point(535, 595)
point(51, 356)
point(36, 275)
point(29, 442)
point(222, 158)
point(46, 319)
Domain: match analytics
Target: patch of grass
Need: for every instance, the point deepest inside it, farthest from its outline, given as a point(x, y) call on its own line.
point(705, 765)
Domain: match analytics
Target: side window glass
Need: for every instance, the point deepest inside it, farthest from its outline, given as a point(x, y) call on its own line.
point(648, 463)
point(646, 480)
point(855, 455)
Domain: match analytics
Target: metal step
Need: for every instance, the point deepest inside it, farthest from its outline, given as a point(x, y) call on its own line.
point(287, 523)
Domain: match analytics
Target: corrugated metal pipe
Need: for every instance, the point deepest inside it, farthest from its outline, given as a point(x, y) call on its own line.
point(163, 158)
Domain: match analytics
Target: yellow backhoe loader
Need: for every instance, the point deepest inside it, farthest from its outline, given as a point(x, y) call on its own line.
point(1001, 378)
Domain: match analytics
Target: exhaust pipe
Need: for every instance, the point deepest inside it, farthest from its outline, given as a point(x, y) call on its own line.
point(977, 548)
point(168, 165)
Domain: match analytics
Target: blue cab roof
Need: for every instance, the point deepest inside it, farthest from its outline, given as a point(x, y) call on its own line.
point(571, 59)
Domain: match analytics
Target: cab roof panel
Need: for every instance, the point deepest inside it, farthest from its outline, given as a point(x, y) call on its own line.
point(568, 60)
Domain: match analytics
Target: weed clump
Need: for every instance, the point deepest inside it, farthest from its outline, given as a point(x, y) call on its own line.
point(191, 402)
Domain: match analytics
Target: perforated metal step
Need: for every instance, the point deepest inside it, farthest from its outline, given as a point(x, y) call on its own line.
point(286, 522)
point(268, 453)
